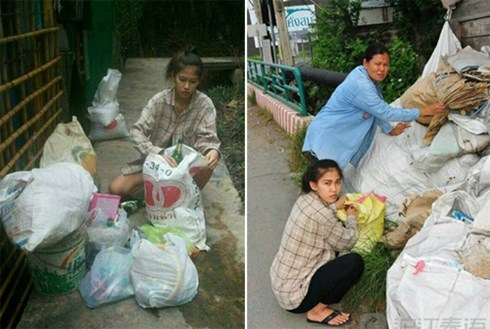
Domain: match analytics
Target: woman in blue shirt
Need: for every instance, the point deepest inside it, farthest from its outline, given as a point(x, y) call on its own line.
point(344, 128)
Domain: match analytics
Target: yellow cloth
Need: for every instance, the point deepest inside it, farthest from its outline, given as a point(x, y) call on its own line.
point(371, 213)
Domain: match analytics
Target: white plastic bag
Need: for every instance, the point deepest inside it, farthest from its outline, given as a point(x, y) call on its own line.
point(117, 129)
point(107, 89)
point(107, 122)
point(163, 278)
point(172, 197)
point(104, 233)
point(53, 205)
point(109, 279)
point(103, 114)
point(15, 223)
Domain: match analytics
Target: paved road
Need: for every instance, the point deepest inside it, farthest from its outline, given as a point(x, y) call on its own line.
point(271, 193)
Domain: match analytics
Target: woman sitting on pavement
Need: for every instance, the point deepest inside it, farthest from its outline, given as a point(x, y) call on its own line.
point(179, 113)
point(344, 128)
point(306, 274)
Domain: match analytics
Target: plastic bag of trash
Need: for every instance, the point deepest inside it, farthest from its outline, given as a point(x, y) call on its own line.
point(107, 121)
point(109, 279)
point(172, 197)
point(163, 278)
point(50, 207)
point(107, 89)
point(17, 226)
point(106, 232)
point(103, 114)
point(371, 208)
point(116, 129)
point(156, 235)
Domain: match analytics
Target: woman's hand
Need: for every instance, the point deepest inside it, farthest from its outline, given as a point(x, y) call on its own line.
point(399, 128)
point(340, 203)
point(352, 211)
point(433, 109)
point(212, 158)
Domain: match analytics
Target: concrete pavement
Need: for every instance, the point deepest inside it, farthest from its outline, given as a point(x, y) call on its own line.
point(271, 193)
point(221, 298)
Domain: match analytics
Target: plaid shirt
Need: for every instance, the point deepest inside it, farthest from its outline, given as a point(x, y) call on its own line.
point(159, 126)
point(312, 235)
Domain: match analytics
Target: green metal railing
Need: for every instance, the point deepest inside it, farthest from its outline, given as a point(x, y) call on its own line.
point(280, 81)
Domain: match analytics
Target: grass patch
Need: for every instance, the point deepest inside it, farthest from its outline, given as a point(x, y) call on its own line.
point(299, 160)
point(371, 288)
point(265, 114)
point(230, 110)
point(251, 98)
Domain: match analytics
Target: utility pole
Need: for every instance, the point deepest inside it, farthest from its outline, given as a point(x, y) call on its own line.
point(284, 45)
point(258, 11)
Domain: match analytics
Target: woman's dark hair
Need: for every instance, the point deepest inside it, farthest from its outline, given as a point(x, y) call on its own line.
point(373, 49)
point(183, 59)
point(316, 170)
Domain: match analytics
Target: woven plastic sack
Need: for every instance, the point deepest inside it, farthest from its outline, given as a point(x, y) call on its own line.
point(371, 212)
point(172, 197)
point(68, 143)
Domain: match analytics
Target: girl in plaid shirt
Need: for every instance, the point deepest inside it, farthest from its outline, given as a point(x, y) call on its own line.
point(306, 274)
point(179, 113)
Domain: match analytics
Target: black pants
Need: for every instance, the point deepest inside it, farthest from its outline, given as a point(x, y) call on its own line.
point(330, 283)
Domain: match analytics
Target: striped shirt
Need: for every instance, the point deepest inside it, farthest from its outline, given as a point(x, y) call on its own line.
point(312, 235)
point(159, 126)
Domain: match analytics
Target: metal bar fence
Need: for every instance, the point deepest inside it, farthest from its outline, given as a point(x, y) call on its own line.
point(280, 81)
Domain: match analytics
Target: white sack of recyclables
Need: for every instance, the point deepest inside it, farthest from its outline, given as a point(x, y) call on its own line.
point(51, 206)
point(401, 166)
point(439, 290)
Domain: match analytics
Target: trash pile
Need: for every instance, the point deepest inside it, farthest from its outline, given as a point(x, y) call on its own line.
point(78, 238)
point(57, 217)
point(436, 177)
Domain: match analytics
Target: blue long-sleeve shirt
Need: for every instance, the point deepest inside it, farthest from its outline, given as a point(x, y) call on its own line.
point(344, 128)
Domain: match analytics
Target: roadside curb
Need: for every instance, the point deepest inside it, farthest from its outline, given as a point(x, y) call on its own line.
point(286, 117)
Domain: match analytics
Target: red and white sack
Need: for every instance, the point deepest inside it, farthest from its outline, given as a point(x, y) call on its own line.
point(171, 195)
point(117, 129)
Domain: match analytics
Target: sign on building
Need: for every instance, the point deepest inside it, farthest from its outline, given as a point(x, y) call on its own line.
point(299, 18)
